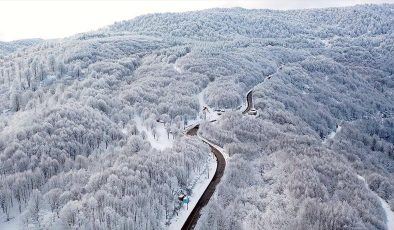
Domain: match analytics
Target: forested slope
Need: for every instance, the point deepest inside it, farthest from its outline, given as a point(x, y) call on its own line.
point(72, 154)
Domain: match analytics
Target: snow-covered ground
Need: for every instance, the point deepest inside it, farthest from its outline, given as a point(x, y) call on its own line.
point(385, 205)
point(15, 222)
point(332, 134)
point(329, 41)
point(177, 68)
point(201, 183)
point(326, 43)
point(211, 113)
point(161, 141)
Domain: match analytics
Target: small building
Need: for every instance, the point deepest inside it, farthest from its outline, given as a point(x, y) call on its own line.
point(252, 112)
point(181, 197)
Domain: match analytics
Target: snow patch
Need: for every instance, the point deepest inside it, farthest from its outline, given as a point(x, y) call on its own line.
point(14, 223)
point(326, 43)
point(161, 141)
point(332, 134)
point(177, 68)
point(211, 114)
point(17, 122)
point(48, 80)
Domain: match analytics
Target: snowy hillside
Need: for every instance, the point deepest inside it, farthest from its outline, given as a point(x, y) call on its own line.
point(10, 47)
point(92, 127)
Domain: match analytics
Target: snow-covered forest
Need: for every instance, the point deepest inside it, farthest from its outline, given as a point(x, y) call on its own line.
point(92, 126)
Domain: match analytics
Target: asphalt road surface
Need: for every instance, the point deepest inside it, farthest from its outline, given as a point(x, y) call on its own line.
point(221, 164)
point(206, 196)
point(249, 99)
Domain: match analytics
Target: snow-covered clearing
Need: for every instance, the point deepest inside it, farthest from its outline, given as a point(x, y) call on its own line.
point(177, 68)
point(332, 134)
point(200, 184)
point(48, 220)
point(17, 122)
point(161, 141)
point(15, 222)
point(211, 114)
point(385, 205)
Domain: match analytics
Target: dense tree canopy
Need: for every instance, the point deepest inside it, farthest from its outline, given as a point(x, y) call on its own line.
point(79, 117)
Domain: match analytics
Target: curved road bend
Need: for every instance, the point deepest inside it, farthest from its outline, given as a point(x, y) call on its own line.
point(249, 99)
point(204, 199)
point(221, 164)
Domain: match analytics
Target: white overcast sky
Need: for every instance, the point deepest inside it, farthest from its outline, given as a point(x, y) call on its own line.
point(54, 18)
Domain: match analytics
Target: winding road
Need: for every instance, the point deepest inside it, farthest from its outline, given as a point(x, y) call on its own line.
point(249, 100)
point(191, 221)
point(206, 196)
